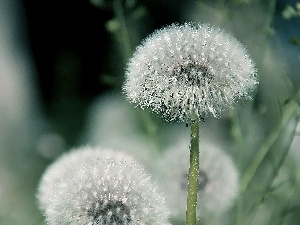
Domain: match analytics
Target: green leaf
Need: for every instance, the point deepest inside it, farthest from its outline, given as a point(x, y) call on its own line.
point(294, 40)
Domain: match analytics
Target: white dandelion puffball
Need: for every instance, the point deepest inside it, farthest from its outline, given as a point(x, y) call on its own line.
point(60, 168)
point(186, 70)
point(104, 189)
point(217, 184)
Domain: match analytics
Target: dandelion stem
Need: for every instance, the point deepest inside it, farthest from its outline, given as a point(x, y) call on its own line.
point(193, 174)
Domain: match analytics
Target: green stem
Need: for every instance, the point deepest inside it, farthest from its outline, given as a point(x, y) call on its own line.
point(291, 108)
point(239, 139)
point(279, 164)
point(119, 13)
point(275, 172)
point(290, 206)
point(271, 11)
point(193, 175)
point(126, 48)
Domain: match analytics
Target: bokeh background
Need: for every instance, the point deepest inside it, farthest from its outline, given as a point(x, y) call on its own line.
point(61, 69)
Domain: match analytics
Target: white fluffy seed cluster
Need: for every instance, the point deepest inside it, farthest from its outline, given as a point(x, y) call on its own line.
point(182, 70)
point(217, 184)
point(71, 160)
point(90, 187)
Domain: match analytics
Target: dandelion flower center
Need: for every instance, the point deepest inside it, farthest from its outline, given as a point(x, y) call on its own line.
point(110, 212)
point(193, 74)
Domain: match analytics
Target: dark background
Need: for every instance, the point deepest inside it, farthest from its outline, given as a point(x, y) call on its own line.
point(70, 37)
point(72, 50)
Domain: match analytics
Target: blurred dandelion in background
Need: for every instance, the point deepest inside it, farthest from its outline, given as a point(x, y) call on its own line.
point(217, 185)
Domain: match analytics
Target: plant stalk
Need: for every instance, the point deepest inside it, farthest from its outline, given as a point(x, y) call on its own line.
point(193, 174)
point(289, 112)
point(124, 33)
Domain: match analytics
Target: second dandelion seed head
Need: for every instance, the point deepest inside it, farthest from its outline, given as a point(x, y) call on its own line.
point(100, 186)
point(191, 69)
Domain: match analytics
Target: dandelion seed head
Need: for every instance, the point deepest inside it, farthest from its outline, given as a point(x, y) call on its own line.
point(106, 189)
point(73, 159)
point(189, 69)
